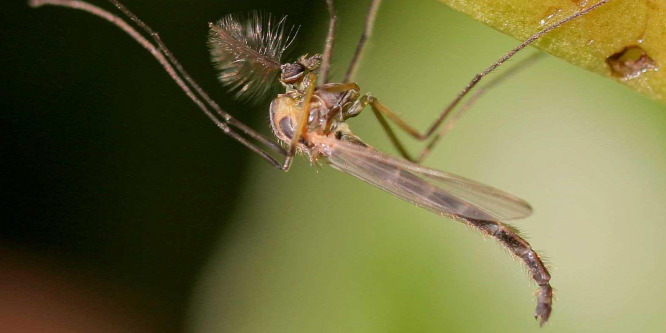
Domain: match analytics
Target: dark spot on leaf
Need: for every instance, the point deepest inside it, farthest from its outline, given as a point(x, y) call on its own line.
point(630, 63)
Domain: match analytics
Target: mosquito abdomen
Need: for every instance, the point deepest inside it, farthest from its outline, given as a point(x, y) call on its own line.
point(417, 190)
point(519, 247)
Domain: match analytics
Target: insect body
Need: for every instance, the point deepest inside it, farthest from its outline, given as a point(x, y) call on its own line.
point(309, 117)
point(326, 107)
point(326, 136)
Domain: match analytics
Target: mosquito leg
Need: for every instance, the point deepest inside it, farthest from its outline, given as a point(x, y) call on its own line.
point(338, 110)
point(393, 137)
point(367, 32)
point(379, 110)
point(157, 54)
point(167, 53)
point(328, 45)
point(453, 118)
point(502, 60)
point(359, 105)
point(229, 131)
point(338, 87)
point(519, 247)
point(422, 136)
point(302, 124)
point(397, 143)
point(413, 132)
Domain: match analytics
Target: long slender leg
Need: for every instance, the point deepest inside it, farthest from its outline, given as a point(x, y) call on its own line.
point(338, 87)
point(167, 53)
point(367, 32)
point(159, 56)
point(522, 249)
point(328, 45)
point(422, 136)
point(393, 137)
point(502, 60)
point(302, 124)
point(453, 118)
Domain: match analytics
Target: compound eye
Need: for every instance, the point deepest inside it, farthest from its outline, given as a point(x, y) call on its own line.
point(286, 127)
point(292, 73)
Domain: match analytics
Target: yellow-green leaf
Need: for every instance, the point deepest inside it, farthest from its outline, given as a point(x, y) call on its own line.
point(623, 39)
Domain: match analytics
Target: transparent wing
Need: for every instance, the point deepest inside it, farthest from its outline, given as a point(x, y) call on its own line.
point(441, 192)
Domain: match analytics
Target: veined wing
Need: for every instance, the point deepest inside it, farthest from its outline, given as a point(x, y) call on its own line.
point(440, 192)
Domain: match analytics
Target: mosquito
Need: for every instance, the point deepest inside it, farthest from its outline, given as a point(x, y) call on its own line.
point(309, 119)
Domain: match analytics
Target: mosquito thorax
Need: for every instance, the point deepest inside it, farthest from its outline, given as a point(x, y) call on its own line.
point(328, 107)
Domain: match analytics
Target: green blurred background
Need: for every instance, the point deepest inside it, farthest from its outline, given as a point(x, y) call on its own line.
point(124, 206)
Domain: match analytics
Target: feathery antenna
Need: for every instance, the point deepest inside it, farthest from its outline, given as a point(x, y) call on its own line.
point(248, 52)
